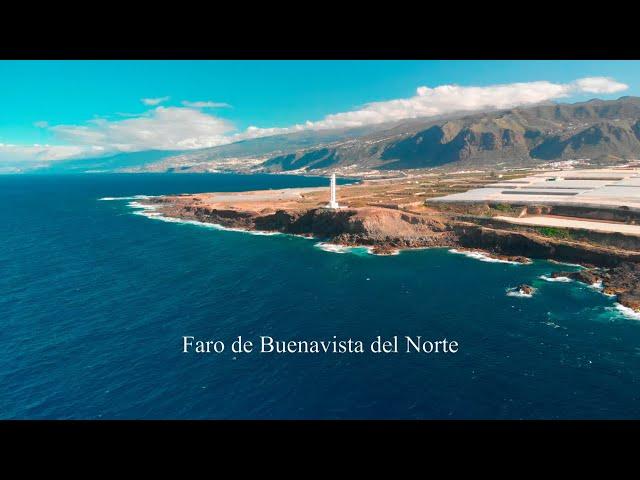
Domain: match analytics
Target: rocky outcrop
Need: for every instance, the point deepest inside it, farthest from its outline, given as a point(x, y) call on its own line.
point(383, 228)
point(623, 281)
point(395, 229)
point(524, 289)
point(589, 276)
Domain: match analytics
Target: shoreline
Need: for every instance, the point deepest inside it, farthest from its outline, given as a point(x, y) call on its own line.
point(387, 232)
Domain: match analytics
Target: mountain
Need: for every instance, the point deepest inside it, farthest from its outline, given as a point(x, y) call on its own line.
point(111, 163)
point(239, 156)
point(596, 131)
point(602, 131)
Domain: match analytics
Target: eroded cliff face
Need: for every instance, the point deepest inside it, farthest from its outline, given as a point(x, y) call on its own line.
point(379, 227)
point(624, 282)
point(509, 242)
point(388, 229)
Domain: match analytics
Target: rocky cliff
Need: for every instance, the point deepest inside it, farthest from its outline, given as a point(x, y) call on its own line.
point(379, 227)
point(387, 230)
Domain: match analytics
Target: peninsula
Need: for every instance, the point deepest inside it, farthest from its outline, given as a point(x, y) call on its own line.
point(586, 217)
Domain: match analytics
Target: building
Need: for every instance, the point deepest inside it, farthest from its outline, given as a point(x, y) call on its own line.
point(333, 203)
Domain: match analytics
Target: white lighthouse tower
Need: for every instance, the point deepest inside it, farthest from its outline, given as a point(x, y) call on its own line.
point(333, 203)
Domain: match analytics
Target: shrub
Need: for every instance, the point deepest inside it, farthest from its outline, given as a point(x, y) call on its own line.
point(502, 207)
point(554, 232)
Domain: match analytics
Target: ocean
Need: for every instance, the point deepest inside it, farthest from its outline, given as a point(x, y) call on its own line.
point(96, 296)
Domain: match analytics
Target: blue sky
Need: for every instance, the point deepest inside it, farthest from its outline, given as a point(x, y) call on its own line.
point(96, 107)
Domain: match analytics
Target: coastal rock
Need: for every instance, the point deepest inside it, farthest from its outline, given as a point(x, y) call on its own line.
point(514, 258)
point(623, 281)
point(588, 276)
point(384, 249)
point(522, 290)
point(525, 289)
point(630, 299)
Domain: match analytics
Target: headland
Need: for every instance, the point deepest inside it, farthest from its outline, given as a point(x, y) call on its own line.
point(586, 217)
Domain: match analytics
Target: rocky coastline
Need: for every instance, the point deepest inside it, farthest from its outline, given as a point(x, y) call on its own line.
point(387, 230)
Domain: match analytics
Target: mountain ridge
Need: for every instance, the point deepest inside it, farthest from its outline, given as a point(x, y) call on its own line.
point(523, 136)
point(601, 132)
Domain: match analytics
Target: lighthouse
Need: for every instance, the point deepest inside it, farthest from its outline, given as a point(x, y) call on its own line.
point(333, 203)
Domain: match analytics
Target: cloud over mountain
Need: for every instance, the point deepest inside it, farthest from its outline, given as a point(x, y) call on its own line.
point(190, 127)
point(445, 99)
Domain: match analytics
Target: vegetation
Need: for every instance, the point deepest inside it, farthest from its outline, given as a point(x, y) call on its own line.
point(554, 232)
point(502, 207)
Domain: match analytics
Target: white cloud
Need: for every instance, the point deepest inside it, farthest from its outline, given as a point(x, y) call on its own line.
point(44, 152)
point(599, 85)
point(163, 128)
point(446, 99)
point(41, 124)
point(205, 104)
point(189, 127)
point(152, 102)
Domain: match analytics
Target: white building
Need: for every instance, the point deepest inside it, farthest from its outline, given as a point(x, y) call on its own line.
point(333, 203)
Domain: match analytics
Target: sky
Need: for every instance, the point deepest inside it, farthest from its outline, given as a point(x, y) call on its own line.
point(58, 110)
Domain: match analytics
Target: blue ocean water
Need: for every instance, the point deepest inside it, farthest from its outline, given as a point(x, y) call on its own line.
point(94, 301)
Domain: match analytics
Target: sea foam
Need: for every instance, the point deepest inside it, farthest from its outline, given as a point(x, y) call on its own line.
point(483, 257)
point(517, 293)
point(546, 278)
point(566, 263)
point(597, 285)
point(135, 197)
point(335, 248)
point(627, 312)
point(149, 211)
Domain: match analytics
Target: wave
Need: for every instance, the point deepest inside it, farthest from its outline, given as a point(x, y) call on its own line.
point(627, 312)
point(257, 232)
point(389, 254)
point(358, 250)
point(149, 211)
point(555, 279)
point(566, 263)
point(483, 257)
point(597, 285)
point(335, 248)
point(517, 293)
point(143, 206)
point(135, 197)
point(551, 324)
point(330, 247)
